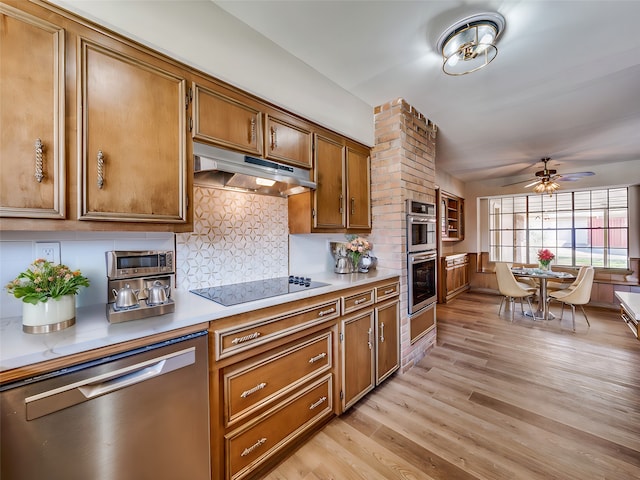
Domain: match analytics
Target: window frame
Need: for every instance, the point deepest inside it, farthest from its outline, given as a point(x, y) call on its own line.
point(524, 223)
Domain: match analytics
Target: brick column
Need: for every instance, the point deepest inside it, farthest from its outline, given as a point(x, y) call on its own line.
point(402, 167)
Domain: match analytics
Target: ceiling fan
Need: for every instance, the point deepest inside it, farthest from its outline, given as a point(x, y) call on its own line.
point(545, 180)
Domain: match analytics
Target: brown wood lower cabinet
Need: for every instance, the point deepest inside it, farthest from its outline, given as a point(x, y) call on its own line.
point(278, 374)
point(369, 341)
point(454, 276)
point(358, 357)
point(250, 446)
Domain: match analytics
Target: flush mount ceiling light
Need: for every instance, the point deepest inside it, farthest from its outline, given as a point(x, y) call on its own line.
point(469, 44)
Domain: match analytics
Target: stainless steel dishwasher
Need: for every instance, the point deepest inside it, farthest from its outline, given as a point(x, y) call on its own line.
point(143, 414)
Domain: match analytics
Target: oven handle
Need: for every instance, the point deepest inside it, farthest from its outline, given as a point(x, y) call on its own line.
point(425, 219)
point(423, 257)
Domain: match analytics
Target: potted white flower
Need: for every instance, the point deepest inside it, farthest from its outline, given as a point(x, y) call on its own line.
point(48, 294)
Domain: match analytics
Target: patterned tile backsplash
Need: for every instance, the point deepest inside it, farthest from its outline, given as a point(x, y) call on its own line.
point(236, 237)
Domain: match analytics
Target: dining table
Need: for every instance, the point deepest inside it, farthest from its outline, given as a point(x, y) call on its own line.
point(542, 313)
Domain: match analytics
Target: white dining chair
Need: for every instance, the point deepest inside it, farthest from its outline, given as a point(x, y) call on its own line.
point(511, 289)
point(554, 286)
point(580, 295)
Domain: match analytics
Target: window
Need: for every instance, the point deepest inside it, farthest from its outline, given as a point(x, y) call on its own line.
point(582, 228)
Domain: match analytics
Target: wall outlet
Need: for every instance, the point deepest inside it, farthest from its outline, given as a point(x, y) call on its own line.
point(49, 251)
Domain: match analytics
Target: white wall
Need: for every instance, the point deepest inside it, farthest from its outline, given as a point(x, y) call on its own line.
point(84, 251)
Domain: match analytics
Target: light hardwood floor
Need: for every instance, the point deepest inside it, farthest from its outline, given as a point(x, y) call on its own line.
point(494, 400)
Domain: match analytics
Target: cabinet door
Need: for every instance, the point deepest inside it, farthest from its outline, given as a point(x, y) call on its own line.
point(329, 175)
point(358, 189)
point(225, 121)
point(133, 136)
point(357, 357)
point(287, 142)
point(32, 113)
point(388, 340)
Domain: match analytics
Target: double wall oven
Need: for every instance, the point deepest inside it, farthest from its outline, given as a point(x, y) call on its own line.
point(422, 256)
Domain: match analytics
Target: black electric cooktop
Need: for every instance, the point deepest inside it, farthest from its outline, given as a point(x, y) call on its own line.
point(236, 293)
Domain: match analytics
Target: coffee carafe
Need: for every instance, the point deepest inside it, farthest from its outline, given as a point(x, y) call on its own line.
point(343, 263)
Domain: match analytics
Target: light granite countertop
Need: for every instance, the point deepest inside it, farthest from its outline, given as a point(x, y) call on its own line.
point(92, 330)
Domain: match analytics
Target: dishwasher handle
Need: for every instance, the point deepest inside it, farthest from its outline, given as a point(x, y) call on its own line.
point(68, 395)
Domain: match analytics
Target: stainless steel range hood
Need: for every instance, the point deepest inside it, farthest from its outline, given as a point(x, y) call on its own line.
point(220, 168)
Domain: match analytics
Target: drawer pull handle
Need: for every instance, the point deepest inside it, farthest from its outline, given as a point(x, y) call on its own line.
point(39, 168)
point(391, 290)
point(318, 403)
point(246, 393)
point(246, 338)
point(250, 449)
point(360, 300)
point(322, 313)
point(320, 356)
point(382, 332)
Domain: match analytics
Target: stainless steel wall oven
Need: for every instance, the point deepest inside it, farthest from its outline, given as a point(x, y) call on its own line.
point(422, 277)
point(421, 226)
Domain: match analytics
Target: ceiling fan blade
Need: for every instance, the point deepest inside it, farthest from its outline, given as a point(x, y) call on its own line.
point(518, 183)
point(572, 177)
point(533, 183)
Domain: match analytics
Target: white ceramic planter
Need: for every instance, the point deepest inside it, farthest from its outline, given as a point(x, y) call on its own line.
point(49, 316)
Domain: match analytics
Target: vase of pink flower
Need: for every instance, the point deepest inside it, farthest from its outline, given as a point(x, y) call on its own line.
point(545, 256)
point(358, 250)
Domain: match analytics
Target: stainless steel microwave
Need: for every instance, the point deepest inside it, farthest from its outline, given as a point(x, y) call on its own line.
point(128, 264)
point(421, 226)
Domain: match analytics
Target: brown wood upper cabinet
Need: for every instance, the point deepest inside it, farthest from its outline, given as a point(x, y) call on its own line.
point(358, 166)
point(223, 119)
point(133, 137)
point(342, 199)
point(287, 142)
point(32, 115)
point(451, 213)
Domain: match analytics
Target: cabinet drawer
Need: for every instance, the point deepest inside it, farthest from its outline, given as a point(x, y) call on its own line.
point(389, 290)
point(356, 302)
point(240, 338)
point(249, 385)
point(248, 447)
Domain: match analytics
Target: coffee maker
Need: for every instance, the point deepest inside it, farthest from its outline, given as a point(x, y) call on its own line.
point(139, 284)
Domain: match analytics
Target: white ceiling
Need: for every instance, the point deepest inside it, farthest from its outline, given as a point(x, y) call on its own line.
point(565, 83)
